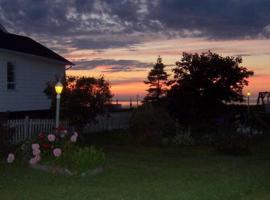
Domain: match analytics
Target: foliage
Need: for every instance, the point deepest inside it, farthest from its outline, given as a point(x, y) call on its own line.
point(150, 123)
point(184, 139)
point(86, 158)
point(157, 81)
point(82, 99)
point(112, 137)
point(59, 150)
point(5, 138)
point(233, 144)
point(254, 121)
point(203, 83)
point(49, 148)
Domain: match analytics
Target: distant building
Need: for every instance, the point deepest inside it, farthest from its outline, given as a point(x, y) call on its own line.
point(25, 68)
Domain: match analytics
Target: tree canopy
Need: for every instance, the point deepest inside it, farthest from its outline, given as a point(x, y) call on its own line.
point(203, 82)
point(157, 81)
point(82, 99)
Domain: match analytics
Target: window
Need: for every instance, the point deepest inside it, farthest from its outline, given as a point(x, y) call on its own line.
point(10, 76)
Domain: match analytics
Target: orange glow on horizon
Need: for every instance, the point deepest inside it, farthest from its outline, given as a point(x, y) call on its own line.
point(258, 84)
point(255, 53)
point(129, 89)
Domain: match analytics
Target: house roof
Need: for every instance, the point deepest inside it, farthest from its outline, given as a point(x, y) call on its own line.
point(27, 45)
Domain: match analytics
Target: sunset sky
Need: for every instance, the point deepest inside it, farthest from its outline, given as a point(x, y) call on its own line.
point(121, 39)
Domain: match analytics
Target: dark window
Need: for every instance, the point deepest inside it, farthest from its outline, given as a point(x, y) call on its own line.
point(10, 76)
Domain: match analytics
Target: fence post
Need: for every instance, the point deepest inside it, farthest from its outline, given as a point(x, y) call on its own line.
point(26, 128)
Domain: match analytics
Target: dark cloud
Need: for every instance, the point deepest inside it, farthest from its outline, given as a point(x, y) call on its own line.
point(113, 65)
point(218, 19)
point(104, 43)
point(102, 24)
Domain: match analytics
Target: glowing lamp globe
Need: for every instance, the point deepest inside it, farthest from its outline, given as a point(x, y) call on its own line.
point(248, 93)
point(58, 88)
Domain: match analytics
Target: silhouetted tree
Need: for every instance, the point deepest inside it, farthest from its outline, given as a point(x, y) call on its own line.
point(83, 98)
point(157, 81)
point(203, 83)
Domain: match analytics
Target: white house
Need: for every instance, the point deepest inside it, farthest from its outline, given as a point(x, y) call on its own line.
point(25, 68)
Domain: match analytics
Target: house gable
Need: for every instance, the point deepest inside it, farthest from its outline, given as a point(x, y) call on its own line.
point(26, 66)
point(23, 44)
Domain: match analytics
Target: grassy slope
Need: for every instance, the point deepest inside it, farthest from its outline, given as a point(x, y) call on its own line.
point(149, 173)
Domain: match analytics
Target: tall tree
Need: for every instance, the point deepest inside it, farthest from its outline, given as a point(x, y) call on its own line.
point(157, 81)
point(83, 98)
point(204, 82)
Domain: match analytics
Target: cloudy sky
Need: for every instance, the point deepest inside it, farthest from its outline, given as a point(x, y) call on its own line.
point(122, 38)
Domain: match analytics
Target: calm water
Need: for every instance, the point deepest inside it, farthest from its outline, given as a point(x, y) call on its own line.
point(126, 104)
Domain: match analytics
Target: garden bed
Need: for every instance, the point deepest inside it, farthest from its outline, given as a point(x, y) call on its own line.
point(59, 153)
point(64, 171)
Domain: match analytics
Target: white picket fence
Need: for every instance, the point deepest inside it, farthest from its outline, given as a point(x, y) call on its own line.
point(109, 122)
point(23, 129)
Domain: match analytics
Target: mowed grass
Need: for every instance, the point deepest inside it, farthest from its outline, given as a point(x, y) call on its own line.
point(148, 173)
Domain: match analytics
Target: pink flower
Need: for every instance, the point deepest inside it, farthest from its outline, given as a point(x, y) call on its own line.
point(73, 138)
point(35, 160)
point(75, 133)
point(36, 152)
point(35, 146)
point(10, 158)
point(51, 137)
point(57, 152)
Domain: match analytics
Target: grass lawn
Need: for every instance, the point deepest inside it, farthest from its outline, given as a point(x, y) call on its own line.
point(149, 173)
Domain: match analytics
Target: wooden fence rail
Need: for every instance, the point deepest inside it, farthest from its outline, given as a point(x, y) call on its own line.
point(23, 129)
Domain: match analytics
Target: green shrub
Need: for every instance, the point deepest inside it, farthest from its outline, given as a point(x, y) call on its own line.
point(84, 159)
point(112, 137)
point(165, 141)
point(184, 139)
point(149, 124)
point(5, 139)
point(233, 144)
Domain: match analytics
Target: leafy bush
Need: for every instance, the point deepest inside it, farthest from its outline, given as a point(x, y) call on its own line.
point(5, 138)
point(82, 99)
point(58, 151)
point(48, 148)
point(233, 144)
point(112, 137)
point(85, 158)
point(184, 139)
point(148, 124)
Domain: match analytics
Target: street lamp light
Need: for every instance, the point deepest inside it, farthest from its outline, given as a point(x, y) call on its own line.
point(248, 95)
point(58, 89)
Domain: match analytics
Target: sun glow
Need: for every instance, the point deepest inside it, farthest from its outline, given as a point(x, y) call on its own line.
point(255, 54)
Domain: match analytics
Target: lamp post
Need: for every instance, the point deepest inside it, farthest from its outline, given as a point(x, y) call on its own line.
point(248, 120)
point(58, 89)
point(248, 95)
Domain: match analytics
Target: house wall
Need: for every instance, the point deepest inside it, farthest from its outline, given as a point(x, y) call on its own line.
point(31, 75)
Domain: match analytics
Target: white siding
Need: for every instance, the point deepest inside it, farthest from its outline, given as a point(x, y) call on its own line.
point(31, 75)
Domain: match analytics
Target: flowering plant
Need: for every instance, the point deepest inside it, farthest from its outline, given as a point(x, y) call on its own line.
point(48, 147)
point(57, 152)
